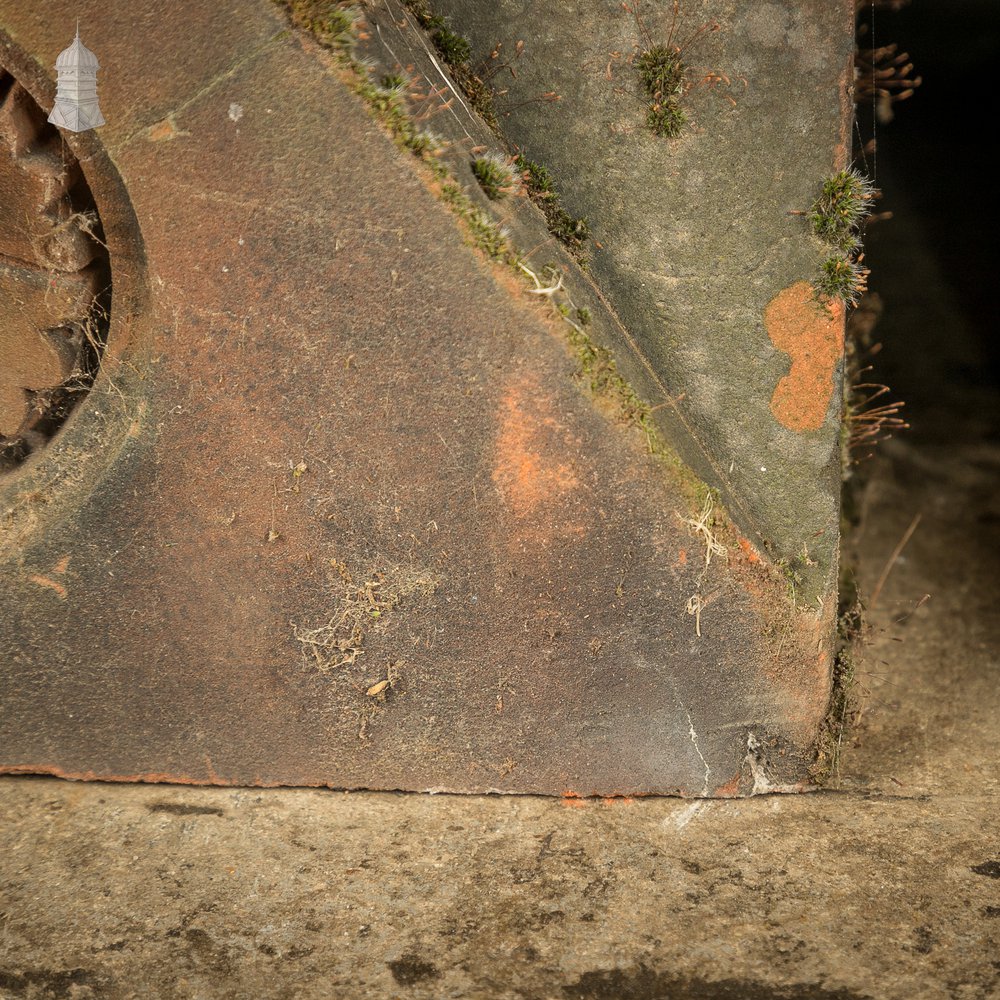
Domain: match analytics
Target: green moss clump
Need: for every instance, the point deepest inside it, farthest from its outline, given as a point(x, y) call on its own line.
point(666, 119)
point(394, 81)
point(425, 18)
point(597, 368)
point(483, 231)
point(836, 217)
point(570, 230)
point(843, 205)
point(333, 22)
point(495, 176)
point(662, 75)
point(661, 72)
point(537, 178)
point(457, 53)
point(454, 49)
point(841, 278)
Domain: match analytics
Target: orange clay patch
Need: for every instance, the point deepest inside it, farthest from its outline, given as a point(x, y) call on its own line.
point(527, 470)
point(813, 337)
point(45, 581)
point(165, 130)
point(730, 789)
point(749, 551)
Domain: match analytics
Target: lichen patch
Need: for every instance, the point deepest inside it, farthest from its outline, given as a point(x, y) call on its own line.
point(813, 337)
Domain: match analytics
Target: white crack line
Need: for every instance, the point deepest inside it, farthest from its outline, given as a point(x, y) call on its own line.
point(697, 750)
point(684, 816)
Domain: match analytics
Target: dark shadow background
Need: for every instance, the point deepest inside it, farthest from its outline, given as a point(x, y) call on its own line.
point(935, 263)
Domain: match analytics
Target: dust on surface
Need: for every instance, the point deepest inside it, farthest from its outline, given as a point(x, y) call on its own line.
point(361, 608)
point(530, 470)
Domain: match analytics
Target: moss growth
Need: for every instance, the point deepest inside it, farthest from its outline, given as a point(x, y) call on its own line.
point(483, 231)
point(394, 81)
point(661, 72)
point(662, 75)
point(596, 366)
point(571, 231)
point(457, 53)
point(836, 217)
point(495, 176)
point(598, 371)
point(454, 49)
point(388, 103)
point(843, 205)
point(842, 278)
point(333, 23)
point(537, 178)
point(424, 17)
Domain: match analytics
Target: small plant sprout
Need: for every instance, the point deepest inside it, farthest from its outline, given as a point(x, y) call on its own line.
point(664, 74)
point(843, 205)
point(495, 175)
point(842, 278)
point(836, 217)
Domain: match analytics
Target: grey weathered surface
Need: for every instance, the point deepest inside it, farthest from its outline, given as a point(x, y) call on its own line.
point(695, 235)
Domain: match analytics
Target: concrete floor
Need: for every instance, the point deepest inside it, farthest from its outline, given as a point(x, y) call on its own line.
point(887, 886)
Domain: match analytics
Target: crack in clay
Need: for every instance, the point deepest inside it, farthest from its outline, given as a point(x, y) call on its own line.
point(697, 750)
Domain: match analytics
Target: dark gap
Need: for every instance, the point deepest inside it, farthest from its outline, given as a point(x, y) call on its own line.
point(934, 264)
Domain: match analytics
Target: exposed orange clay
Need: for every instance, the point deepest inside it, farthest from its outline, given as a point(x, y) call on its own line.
point(212, 776)
point(530, 444)
point(813, 337)
point(44, 581)
point(730, 789)
point(617, 800)
point(682, 558)
point(749, 551)
point(164, 130)
point(573, 800)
